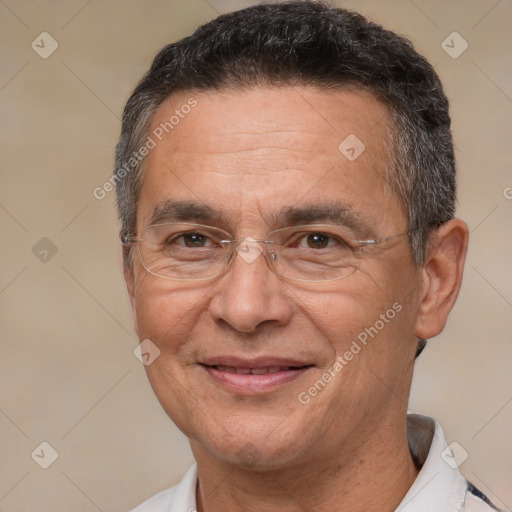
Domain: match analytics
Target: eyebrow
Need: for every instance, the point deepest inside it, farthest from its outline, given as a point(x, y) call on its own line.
point(331, 213)
point(172, 211)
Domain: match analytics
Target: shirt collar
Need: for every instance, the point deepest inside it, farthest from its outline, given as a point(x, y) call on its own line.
point(439, 485)
point(184, 499)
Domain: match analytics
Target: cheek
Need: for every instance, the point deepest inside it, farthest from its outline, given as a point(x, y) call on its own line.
point(342, 313)
point(168, 316)
point(370, 324)
point(166, 312)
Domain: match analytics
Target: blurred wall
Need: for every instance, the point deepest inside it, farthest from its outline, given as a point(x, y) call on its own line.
point(69, 376)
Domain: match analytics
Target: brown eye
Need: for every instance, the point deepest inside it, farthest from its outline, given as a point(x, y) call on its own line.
point(318, 241)
point(194, 240)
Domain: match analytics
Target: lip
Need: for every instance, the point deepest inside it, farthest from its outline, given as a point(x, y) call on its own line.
point(284, 370)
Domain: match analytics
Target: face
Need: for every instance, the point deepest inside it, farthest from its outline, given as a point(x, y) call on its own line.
point(339, 353)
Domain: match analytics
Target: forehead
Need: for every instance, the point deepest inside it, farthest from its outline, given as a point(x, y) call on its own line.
point(269, 111)
point(247, 150)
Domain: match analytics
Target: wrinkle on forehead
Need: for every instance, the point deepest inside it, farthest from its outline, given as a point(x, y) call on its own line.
point(254, 152)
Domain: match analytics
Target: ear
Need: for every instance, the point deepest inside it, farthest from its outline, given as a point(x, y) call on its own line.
point(442, 274)
point(129, 277)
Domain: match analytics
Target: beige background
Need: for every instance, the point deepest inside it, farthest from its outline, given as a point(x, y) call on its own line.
point(68, 373)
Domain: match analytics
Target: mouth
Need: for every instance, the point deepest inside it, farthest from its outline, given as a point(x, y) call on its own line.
point(254, 376)
point(255, 371)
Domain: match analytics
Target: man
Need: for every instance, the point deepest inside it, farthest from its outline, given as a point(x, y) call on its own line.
point(286, 186)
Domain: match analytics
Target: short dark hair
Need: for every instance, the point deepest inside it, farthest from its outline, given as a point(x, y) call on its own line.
point(309, 43)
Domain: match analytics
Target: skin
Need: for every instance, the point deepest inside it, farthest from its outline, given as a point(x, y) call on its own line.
point(247, 154)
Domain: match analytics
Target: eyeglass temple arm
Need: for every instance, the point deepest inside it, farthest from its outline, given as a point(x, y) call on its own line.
point(127, 239)
point(377, 241)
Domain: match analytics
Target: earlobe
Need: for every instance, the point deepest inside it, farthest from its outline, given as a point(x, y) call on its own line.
point(443, 270)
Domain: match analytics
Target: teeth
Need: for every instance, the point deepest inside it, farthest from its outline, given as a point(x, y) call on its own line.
point(253, 371)
point(259, 371)
point(227, 369)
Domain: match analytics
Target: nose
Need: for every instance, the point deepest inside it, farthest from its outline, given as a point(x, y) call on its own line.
point(250, 294)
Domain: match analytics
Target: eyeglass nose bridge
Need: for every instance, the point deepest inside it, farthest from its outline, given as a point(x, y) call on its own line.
point(249, 249)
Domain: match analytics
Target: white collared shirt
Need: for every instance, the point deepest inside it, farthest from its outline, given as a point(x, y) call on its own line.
point(439, 486)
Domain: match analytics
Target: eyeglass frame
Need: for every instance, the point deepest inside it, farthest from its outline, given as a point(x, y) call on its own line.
point(127, 240)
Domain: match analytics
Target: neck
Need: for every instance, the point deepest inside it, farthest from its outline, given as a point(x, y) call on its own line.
point(372, 475)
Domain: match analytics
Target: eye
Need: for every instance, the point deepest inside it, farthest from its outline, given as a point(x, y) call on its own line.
point(318, 240)
point(191, 239)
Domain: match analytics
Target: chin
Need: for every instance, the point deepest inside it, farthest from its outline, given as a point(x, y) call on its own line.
point(257, 447)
